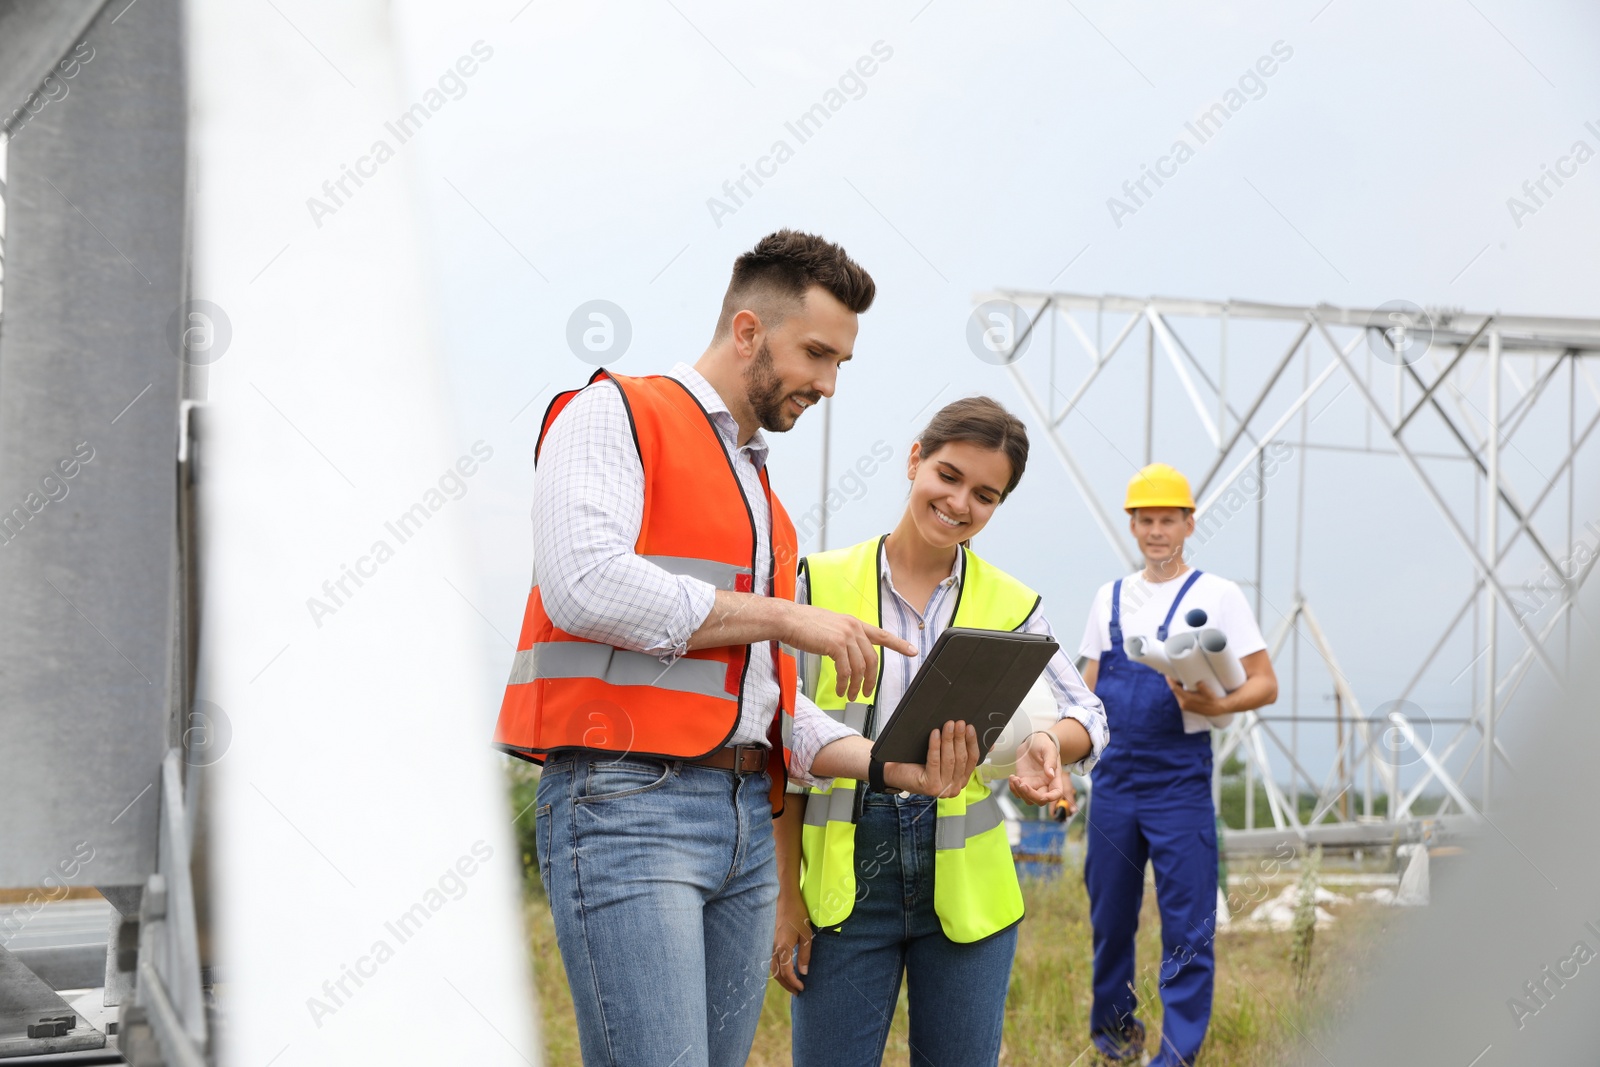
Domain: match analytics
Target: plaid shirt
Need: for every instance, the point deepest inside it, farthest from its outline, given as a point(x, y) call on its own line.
point(588, 503)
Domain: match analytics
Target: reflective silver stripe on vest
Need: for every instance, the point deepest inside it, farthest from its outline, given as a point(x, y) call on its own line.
point(836, 806)
point(809, 668)
point(853, 715)
point(787, 726)
point(952, 831)
point(615, 666)
point(721, 575)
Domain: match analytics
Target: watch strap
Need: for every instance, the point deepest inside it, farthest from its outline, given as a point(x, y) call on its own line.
point(875, 775)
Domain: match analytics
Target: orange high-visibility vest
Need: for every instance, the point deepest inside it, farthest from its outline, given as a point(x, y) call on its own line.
point(567, 691)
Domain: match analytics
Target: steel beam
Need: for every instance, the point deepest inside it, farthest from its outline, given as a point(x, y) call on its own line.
point(1427, 391)
point(34, 36)
point(1439, 773)
point(1283, 420)
point(1524, 407)
point(89, 393)
point(1444, 509)
point(1532, 337)
point(1112, 536)
point(1255, 406)
point(1471, 452)
point(1545, 332)
point(1491, 660)
point(1349, 835)
point(1162, 332)
point(1094, 372)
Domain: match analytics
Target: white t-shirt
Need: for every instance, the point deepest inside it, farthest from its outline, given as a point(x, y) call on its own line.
point(1145, 604)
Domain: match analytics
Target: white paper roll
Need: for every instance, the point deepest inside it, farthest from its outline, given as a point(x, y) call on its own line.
point(1189, 664)
point(1224, 664)
point(1147, 652)
point(1190, 668)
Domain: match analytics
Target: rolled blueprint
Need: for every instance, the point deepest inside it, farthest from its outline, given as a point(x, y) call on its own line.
point(1189, 665)
point(1224, 664)
point(1190, 668)
point(1147, 652)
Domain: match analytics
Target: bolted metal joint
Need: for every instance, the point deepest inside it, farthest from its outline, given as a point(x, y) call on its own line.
point(52, 1026)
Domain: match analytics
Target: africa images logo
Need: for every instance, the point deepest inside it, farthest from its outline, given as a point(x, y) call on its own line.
point(1251, 85)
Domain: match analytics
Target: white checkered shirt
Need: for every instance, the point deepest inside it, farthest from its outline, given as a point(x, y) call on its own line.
point(588, 503)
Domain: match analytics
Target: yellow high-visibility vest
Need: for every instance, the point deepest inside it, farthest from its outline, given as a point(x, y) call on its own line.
point(975, 890)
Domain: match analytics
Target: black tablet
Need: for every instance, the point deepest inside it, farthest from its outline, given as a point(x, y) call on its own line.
point(977, 676)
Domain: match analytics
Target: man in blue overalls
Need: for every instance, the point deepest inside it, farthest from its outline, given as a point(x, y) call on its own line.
point(1152, 790)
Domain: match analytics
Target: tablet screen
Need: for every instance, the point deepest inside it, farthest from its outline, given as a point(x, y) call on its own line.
point(978, 676)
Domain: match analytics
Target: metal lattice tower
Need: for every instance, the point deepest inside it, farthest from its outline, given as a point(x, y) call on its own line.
point(1440, 386)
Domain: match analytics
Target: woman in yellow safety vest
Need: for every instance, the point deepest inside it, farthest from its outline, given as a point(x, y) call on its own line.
point(918, 885)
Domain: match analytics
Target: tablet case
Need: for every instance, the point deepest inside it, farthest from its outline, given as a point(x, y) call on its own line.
point(977, 676)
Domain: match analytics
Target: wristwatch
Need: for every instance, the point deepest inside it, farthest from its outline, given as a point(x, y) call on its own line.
point(875, 776)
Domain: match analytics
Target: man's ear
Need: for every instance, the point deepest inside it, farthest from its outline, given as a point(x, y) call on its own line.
point(747, 333)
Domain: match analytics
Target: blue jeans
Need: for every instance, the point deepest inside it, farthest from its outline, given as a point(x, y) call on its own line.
point(956, 992)
point(663, 886)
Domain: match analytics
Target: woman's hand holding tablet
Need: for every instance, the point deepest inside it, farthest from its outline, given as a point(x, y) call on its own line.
point(952, 757)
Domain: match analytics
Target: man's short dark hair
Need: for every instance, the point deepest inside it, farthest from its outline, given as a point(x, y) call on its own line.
point(772, 278)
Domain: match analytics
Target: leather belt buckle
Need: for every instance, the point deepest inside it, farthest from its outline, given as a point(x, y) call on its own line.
point(748, 759)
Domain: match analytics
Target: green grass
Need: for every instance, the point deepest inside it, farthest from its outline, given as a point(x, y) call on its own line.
point(1258, 1017)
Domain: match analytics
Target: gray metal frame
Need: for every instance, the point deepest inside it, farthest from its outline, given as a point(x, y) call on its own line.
point(96, 266)
point(97, 650)
point(1529, 352)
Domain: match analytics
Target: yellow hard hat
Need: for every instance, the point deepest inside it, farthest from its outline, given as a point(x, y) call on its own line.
point(1158, 486)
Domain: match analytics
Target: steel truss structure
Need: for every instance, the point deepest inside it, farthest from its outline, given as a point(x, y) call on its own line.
point(1412, 370)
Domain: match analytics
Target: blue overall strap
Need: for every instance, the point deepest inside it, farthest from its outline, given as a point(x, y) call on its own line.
point(1161, 634)
point(1116, 615)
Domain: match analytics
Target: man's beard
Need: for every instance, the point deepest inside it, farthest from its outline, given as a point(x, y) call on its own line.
point(765, 395)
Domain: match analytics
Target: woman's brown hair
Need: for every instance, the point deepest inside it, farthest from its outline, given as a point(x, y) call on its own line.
point(981, 421)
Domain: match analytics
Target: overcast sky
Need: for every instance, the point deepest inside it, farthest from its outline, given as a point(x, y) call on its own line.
point(968, 149)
